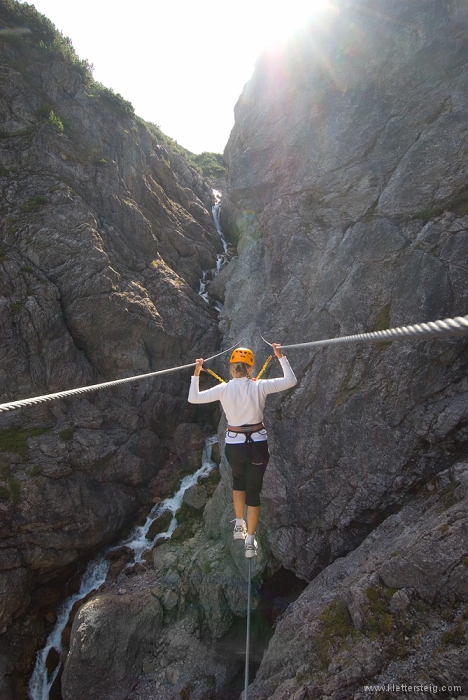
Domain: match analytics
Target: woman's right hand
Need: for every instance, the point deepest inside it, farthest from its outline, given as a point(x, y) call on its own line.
point(276, 350)
point(198, 367)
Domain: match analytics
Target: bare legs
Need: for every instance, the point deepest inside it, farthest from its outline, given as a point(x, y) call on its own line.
point(253, 512)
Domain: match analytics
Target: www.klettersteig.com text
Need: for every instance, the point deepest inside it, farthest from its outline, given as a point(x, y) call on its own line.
point(408, 688)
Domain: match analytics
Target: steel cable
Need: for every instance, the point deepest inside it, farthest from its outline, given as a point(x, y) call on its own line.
point(247, 639)
point(94, 387)
point(446, 328)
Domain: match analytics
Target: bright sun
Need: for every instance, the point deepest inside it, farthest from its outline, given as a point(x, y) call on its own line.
point(282, 18)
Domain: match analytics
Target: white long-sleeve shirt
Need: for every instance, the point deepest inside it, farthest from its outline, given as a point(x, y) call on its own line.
point(243, 400)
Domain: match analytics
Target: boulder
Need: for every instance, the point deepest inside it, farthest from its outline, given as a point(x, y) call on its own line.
point(110, 637)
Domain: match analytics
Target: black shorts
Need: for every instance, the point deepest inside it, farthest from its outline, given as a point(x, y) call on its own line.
point(248, 461)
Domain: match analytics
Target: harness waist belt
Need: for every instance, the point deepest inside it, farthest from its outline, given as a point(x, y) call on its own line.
point(245, 428)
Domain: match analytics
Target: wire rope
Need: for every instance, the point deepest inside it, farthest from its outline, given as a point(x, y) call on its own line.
point(95, 387)
point(447, 327)
point(247, 639)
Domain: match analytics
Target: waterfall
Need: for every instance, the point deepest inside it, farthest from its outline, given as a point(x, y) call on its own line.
point(96, 573)
point(41, 683)
point(216, 211)
point(138, 541)
point(221, 258)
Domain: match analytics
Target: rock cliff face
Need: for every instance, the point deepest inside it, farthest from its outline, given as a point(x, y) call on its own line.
point(347, 187)
point(104, 235)
point(347, 175)
point(347, 195)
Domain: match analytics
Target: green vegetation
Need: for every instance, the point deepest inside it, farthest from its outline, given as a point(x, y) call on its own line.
point(378, 619)
point(459, 205)
point(16, 306)
point(448, 497)
point(44, 111)
point(382, 321)
point(34, 471)
point(66, 434)
point(345, 396)
point(16, 440)
point(428, 214)
point(112, 99)
point(55, 122)
point(44, 42)
point(210, 165)
point(14, 487)
point(2, 255)
point(43, 34)
point(46, 39)
point(455, 635)
point(13, 490)
point(34, 204)
point(336, 626)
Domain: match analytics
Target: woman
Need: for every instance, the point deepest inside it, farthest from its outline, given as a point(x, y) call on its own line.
point(243, 400)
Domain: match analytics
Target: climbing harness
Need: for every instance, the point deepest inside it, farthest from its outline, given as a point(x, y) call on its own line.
point(447, 328)
point(247, 430)
point(94, 387)
point(247, 640)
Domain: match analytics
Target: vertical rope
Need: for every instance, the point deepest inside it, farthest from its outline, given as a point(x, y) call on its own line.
point(247, 641)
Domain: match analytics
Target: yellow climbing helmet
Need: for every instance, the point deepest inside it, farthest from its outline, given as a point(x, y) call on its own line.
point(243, 355)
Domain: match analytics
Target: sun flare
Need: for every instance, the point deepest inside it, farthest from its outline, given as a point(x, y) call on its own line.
point(283, 18)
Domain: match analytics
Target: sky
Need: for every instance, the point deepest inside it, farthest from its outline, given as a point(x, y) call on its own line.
point(181, 63)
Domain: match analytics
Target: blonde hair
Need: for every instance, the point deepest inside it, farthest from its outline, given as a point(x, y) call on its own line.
point(242, 368)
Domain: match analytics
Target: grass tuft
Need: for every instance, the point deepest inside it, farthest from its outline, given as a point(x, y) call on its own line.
point(16, 440)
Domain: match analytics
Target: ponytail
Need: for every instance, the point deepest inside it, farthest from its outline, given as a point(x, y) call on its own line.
point(243, 369)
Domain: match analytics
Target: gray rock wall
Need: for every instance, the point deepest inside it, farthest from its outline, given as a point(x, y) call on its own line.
point(393, 611)
point(347, 176)
point(103, 238)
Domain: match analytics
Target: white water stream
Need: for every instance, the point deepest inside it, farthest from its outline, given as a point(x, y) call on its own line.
point(96, 572)
point(221, 258)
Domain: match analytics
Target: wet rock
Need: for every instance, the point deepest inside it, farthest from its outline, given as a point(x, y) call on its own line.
point(196, 496)
point(160, 524)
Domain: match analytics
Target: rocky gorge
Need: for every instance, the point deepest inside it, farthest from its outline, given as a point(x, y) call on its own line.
point(346, 196)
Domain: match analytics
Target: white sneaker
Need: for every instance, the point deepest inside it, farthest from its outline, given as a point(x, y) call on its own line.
point(240, 531)
point(251, 549)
